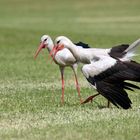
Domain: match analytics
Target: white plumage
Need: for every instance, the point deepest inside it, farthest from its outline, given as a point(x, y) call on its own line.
point(122, 52)
point(107, 69)
point(63, 58)
point(95, 68)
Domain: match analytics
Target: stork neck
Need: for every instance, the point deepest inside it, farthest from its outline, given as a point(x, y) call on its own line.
point(82, 55)
point(50, 46)
point(74, 50)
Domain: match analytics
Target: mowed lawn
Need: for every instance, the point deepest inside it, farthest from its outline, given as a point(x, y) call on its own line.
point(30, 90)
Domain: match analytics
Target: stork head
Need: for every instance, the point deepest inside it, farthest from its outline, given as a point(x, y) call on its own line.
point(61, 42)
point(45, 42)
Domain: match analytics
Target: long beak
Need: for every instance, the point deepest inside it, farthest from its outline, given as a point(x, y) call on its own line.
point(56, 48)
point(39, 49)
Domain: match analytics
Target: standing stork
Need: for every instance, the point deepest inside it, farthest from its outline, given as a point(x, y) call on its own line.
point(63, 58)
point(122, 53)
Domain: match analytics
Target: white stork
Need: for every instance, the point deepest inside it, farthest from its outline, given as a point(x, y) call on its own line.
point(105, 71)
point(63, 58)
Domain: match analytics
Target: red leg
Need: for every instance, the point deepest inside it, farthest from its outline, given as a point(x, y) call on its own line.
point(78, 88)
point(90, 98)
point(62, 79)
point(77, 85)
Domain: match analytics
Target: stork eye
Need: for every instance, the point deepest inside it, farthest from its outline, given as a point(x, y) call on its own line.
point(45, 39)
point(58, 41)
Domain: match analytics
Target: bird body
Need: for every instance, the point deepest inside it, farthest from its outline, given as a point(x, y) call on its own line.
point(64, 58)
point(88, 54)
point(95, 68)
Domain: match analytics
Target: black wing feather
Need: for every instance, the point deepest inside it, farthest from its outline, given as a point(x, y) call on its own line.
point(83, 45)
point(118, 51)
point(111, 83)
point(114, 93)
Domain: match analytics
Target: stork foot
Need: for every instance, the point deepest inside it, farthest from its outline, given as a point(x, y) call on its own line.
point(89, 99)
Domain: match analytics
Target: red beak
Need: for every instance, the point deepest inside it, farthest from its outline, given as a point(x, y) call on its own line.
point(42, 45)
point(55, 49)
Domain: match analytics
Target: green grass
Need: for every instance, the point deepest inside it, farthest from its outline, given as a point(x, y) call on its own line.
point(30, 90)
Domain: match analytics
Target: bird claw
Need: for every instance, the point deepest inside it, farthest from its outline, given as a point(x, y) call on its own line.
point(89, 99)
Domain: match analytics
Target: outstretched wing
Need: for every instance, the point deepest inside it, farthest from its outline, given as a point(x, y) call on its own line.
point(115, 93)
point(111, 85)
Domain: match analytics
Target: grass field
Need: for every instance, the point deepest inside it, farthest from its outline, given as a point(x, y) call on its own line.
point(30, 90)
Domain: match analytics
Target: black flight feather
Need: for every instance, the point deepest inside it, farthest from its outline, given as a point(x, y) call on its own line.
point(83, 45)
point(111, 82)
point(118, 51)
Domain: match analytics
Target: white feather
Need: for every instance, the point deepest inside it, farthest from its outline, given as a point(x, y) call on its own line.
point(130, 51)
point(95, 68)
